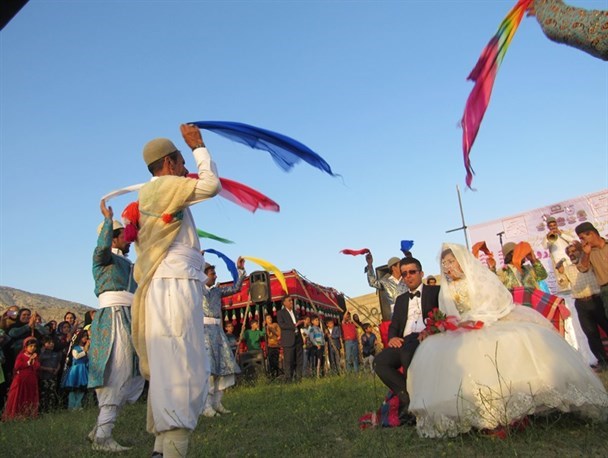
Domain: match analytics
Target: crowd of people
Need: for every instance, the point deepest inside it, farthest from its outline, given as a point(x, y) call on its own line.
point(44, 364)
point(160, 320)
point(311, 347)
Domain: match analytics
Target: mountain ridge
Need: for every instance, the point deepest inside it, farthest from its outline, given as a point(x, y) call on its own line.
point(48, 307)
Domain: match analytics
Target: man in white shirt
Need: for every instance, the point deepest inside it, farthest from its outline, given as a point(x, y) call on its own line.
point(291, 340)
point(168, 330)
point(407, 322)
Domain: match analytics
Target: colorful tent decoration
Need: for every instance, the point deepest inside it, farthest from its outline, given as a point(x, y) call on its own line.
point(270, 268)
point(209, 235)
point(406, 245)
point(285, 151)
point(354, 252)
point(229, 263)
point(484, 75)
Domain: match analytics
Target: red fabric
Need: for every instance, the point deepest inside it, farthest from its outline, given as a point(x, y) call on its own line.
point(246, 197)
point(354, 252)
point(22, 401)
point(550, 306)
point(349, 331)
point(384, 332)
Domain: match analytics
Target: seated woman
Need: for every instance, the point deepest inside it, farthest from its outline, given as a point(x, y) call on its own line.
point(515, 365)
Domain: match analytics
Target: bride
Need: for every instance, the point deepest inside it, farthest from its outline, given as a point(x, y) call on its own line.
point(515, 365)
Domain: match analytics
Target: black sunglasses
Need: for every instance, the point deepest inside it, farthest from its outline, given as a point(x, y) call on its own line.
point(410, 272)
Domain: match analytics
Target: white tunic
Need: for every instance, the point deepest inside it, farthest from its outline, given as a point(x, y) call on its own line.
point(175, 335)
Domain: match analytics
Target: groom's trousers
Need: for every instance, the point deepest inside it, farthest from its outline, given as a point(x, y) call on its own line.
point(389, 362)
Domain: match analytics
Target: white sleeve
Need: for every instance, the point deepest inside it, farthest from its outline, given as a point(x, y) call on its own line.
point(208, 183)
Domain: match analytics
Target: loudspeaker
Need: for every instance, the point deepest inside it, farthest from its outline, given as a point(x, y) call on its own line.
point(252, 364)
point(259, 286)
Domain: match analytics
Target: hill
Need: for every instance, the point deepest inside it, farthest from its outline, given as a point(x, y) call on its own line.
point(50, 308)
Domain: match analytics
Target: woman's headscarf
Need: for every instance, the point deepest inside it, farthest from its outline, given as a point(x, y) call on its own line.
point(18, 323)
point(488, 298)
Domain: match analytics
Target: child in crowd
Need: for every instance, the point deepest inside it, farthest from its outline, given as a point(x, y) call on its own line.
point(333, 336)
point(76, 372)
point(50, 362)
point(273, 345)
point(232, 340)
point(317, 345)
point(368, 345)
point(253, 337)
point(306, 355)
point(23, 396)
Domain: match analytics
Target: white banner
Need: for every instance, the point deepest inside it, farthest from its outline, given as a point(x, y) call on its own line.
point(531, 227)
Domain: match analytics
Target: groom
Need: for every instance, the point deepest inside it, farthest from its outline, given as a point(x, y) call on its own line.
point(411, 308)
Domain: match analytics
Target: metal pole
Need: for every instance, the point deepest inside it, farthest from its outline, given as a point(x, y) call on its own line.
point(464, 226)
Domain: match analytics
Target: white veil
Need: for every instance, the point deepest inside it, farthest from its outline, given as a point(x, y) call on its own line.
point(488, 299)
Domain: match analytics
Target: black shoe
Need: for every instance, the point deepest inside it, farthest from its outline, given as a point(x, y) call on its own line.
point(407, 419)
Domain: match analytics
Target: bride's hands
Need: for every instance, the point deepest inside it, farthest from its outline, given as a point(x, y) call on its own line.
point(467, 323)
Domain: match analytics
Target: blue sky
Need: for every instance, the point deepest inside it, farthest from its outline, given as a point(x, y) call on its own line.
point(376, 88)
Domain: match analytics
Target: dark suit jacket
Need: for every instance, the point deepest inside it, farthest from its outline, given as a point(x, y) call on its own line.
point(429, 300)
point(288, 328)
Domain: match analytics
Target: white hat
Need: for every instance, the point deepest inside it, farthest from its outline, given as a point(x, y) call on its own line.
point(115, 225)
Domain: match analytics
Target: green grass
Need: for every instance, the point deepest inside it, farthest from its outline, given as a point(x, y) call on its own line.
point(317, 417)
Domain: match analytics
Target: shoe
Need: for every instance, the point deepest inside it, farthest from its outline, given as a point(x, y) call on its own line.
point(108, 445)
point(209, 412)
point(407, 419)
point(91, 435)
point(221, 409)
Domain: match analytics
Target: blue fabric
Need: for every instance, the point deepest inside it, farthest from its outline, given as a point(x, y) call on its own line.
point(229, 263)
point(285, 151)
point(406, 245)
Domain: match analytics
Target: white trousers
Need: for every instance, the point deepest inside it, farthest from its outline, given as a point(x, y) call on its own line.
point(119, 385)
point(217, 386)
point(573, 332)
point(175, 342)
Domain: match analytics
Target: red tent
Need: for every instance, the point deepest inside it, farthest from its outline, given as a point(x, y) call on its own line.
point(310, 298)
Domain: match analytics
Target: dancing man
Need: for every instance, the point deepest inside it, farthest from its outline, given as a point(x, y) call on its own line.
point(168, 330)
point(113, 366)
point(221, 358)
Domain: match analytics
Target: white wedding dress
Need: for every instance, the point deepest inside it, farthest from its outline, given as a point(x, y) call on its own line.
point(515, 365)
